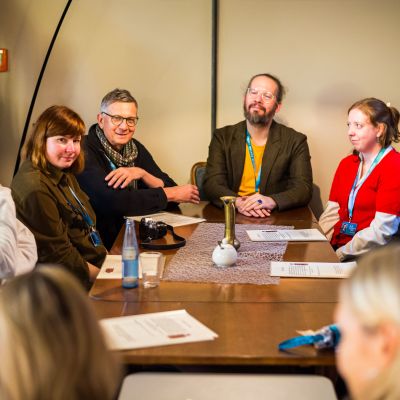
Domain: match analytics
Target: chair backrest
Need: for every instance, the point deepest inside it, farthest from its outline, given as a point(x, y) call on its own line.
point(207, 386)
point(197, 176)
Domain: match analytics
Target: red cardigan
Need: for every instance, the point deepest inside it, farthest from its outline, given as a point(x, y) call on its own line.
point(380, 193)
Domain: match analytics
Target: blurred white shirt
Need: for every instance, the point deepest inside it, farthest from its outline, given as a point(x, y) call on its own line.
point(18, 253)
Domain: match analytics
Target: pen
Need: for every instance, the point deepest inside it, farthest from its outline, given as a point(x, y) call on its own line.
point(269, 230)
point(178, 335)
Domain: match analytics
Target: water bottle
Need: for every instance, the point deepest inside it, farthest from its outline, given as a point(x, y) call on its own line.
point(130, 256)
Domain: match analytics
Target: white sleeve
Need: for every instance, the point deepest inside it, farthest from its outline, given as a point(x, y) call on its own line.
point(18, 252)
point(379, 233)
point(329, 218)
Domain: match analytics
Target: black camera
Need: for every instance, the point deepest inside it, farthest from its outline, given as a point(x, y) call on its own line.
point(151, 230)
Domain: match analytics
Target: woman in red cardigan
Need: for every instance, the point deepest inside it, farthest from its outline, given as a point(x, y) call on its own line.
point(363, 210)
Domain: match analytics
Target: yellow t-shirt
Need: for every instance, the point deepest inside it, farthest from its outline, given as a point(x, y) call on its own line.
point(248, 182)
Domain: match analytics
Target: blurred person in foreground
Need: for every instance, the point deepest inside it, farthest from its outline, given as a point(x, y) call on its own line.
point(368, 316)
point(48, 198)
point(51, 345)
point(18, 253)
point(120, 175)
point(363, 210)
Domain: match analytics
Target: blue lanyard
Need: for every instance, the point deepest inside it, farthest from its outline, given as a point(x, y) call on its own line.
point(112, 165)
point(326, 337)
point(355, 188)
point(257, 176)
point(132, 184)
point(82, 211)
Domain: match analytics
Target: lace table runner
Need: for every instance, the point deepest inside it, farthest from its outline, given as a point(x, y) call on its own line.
point(193, 262)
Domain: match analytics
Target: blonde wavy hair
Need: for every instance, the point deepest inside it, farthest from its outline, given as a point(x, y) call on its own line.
point(51, 345)
point(373, 295)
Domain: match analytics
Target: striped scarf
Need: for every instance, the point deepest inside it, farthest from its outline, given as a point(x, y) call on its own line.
point(125, 158)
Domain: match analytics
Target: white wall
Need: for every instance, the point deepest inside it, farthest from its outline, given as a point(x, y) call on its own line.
point(26, 28)
point(160, 51)
point(328, 53)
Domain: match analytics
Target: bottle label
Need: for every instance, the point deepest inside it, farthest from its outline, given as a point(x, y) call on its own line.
point(129, 253)
point(130, 273)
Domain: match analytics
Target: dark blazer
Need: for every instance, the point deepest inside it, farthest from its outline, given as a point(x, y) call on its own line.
point(286, 173)
point(111, 205)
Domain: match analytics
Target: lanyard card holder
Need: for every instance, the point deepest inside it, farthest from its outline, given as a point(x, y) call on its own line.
point(348, 228)
point(95, 237)
point(327, 337)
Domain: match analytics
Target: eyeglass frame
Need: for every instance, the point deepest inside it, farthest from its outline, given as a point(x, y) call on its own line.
point(135, 119)
point(249, 89)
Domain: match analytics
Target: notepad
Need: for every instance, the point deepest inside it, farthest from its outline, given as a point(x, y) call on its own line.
point(311, 269)
point(170, 219)
point(286, 235)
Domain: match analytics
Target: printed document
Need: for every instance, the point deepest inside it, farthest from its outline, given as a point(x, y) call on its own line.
point(155, 329)
point(286, 235)
point(170, 219)
point(311, 269)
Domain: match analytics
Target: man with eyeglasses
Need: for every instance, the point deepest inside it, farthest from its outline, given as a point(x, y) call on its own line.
point(120, 175)
point(262, 162)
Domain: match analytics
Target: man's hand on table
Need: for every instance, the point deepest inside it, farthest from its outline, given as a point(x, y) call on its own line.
point(255, 205)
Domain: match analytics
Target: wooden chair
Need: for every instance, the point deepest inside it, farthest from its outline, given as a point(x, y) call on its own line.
point(197, 176)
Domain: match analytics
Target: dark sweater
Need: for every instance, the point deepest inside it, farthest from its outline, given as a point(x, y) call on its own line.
point(111, 205)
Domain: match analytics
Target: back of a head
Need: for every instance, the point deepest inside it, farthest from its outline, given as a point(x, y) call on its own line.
point(373, 295)
point(50, 341)
point(373, 290)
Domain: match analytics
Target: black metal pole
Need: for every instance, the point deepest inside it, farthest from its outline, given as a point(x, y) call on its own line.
point(214, 64)
point(39, 81)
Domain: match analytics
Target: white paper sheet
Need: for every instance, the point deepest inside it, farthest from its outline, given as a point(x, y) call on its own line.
point(287, 235)
point(171, 219)
point(311, 269)
point(155, 329)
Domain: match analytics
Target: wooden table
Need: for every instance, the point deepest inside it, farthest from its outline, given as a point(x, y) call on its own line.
point(250, 319)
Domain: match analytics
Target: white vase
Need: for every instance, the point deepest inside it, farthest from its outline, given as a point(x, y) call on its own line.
point(224, 255)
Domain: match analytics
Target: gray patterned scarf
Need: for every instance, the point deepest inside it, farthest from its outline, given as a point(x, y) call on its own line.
point(125, 158)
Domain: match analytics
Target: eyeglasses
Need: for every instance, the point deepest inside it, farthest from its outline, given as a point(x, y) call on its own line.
point(117, 120)
point(266, 96)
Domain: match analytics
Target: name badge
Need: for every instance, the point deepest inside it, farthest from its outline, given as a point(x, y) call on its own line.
point(95, 238)
point(348, 228)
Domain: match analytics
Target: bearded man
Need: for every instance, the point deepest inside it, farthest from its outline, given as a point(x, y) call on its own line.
point(264, 163)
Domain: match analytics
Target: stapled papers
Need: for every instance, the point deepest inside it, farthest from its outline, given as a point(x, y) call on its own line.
point(311, 269)
point(287, 235)
point(155, 329)
point(171, 219)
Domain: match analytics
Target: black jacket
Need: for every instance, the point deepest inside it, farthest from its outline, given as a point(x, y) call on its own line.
point(111, 205)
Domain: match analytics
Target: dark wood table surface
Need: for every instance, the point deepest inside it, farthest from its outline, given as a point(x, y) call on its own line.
point(250, 320)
